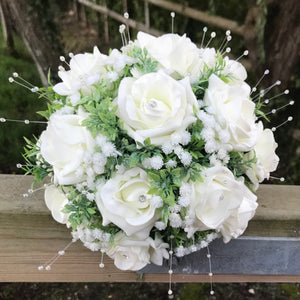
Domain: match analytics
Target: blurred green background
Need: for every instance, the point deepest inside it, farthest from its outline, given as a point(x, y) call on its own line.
point(271, 32)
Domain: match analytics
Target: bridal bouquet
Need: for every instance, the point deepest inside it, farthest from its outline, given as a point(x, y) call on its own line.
point(155, 144)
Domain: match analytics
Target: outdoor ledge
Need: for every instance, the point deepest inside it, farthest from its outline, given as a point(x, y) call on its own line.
point(268, 251)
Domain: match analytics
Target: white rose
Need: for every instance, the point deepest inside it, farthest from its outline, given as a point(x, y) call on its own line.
point(234, 112)
point(55, 201)
point(235, 70)
point(172, 51)
point(63, 145)
point(237, 223)
point(123, 200)
point(134, 252)
point(129, 253)
point(155, 106)
point(267, 160)
point(215, 199)
point(85, 70)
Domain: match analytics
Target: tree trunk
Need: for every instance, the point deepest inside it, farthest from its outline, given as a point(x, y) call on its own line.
point(7, 28)
point(27, 25)
point(279, 50)
point(282, 39)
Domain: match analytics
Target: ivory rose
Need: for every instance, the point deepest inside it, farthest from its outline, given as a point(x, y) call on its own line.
point(237, 223)
point(155, 106)
point(234, 112)
point(267, 160)
point(172, 51)
point(85, 70)
point(123, 200)
point(134, 253)
point(235, 71)
point(63, 145)
point(55, 201)
point(216, 198)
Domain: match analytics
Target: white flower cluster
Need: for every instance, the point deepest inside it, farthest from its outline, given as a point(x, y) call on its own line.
point(148, 140)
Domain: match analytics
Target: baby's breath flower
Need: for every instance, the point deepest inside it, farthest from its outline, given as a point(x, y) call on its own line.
point(156, 162)
point(186, 158)
point(160, 225)
point(156, 202)
point(167, 148)
point(175, 220)
point(171, 163)
point(183, 201)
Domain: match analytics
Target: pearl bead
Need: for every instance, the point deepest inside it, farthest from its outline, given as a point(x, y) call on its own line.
point(26, 121)
point(208, 256)
point(40, 268)
point(210, 274)
point(101, 265)
point(171, 252)
point(62, 252)
point(48, 268)
point(170, 271)
point(170, 292)
point(212, 292)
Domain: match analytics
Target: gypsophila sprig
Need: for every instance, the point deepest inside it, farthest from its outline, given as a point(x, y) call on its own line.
point(152, 147)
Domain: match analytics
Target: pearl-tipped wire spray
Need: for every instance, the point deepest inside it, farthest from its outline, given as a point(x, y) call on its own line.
point(47, 266)
point(212, 36)
point(170, 292)
point(286, 92)
point(282, 179)
point(126, 16)
point(27, 85)
point(210, 274)
point(245, 53)
point(3, 120)
point(101, 265)
point(31, 191)
point(262, 93)
point(289, 119)
point(172, 18)
point(63, 59)
point(266, 72)
point(123, 36)
point(225, 41)
point(275, 110)
point(203, 36)
point(227, 50)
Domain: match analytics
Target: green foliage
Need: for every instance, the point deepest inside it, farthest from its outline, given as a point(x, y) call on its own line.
point(238, 164)
point(103, 119)
point(16, 103)
point(145, 64)
point(201, 85)
point(35, 163)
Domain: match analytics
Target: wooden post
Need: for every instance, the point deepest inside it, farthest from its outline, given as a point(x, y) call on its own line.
point(29, 237)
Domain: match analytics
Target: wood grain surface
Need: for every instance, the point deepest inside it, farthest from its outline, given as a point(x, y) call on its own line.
point(29, 237)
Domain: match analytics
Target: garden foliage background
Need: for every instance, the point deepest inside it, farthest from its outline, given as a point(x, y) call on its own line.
point(271, 33)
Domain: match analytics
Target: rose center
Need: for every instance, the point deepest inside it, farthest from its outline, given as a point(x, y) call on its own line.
point(142, 198)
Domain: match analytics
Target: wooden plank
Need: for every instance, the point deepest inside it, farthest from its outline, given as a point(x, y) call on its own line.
point(199, 15)
point(29, 237)
point(112, 14)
